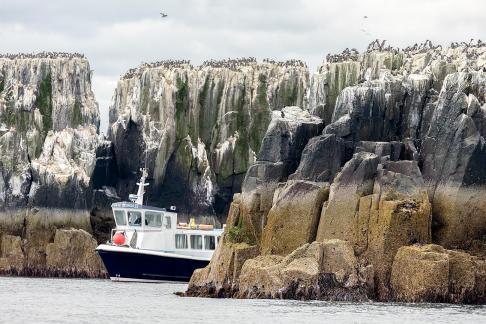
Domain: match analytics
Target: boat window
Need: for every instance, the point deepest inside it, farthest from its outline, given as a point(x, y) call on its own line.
point(196, 242)
point(134, 218)
point(181, 241)
point(153, 219)
point(120, 218)
point(168, 222)
point(209, 242)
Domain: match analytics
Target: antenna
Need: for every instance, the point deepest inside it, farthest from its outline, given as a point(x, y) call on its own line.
point(138, 198)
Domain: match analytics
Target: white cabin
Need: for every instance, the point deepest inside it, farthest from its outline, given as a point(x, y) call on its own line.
point(156, 229)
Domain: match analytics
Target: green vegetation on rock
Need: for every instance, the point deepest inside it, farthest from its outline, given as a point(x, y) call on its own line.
point(182, 109)
point(261, 113)
point(44, 103)
point(77, 117)
point(237, 234)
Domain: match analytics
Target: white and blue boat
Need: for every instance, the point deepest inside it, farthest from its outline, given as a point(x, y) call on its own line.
point(149, 245)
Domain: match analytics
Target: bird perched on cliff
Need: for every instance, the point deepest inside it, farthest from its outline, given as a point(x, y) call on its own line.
point(163, 15)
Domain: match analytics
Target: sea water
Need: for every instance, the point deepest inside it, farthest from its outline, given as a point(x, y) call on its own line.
point(36, 300)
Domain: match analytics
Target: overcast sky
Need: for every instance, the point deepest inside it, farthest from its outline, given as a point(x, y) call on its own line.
point(117, 35)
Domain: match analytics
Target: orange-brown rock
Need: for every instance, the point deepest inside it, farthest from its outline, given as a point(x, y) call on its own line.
point(320, 270)
point(292, 221)
point(433, 274)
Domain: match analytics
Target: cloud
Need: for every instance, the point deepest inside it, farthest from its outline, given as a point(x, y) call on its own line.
point(117, 35)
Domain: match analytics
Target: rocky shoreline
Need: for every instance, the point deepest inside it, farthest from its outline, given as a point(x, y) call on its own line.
point(383, 204)
point(362, 181)
point(47, 242)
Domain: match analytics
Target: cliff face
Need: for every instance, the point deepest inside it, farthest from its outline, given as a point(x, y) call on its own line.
point(399, 165)
point(198, 129)
point(49, 123)
point(40, 95)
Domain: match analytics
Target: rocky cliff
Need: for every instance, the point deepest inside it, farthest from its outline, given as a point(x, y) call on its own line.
point(197, 130)
point(349, 213)
point(49, 123)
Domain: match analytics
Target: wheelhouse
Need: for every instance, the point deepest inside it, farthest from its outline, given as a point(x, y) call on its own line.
point(153, 228)
point(142, 218)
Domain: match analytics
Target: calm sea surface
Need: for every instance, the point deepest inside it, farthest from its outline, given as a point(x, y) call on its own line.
point(33, 300)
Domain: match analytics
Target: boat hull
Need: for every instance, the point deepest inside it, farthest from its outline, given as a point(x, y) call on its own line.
point(136, 265)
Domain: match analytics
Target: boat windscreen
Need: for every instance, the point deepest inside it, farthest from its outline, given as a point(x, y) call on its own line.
point(134, 218)
point(120, 218)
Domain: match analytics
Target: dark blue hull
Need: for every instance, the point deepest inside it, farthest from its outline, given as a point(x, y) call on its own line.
point(135, 266)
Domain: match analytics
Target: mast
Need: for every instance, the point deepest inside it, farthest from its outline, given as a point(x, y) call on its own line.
point(138, 198)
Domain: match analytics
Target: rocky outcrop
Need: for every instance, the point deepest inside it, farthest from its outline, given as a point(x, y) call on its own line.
point(401, 153)
point(38, 95)
point(49, 123)
point(453, 153)
point(48, 242)
point(72, 255)
point(178, 117)
point(326, 271)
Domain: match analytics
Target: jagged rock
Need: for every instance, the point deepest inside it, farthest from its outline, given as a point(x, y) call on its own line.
point(321, 270)
point(282, 147)
point(382, 110)
point(433, 274)
point(72, 254)
point(392, 150)
point(321, 159)
point(287, 135)
point(38, 94)
point(227, 108)
point(326, 85)
point(377, 208)
point(452, 154)
point(292, 221)
point(353, 182)
point(65, 82)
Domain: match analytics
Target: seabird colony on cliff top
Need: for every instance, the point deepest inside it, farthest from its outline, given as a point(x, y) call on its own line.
point(232, 64)
point(49, 55)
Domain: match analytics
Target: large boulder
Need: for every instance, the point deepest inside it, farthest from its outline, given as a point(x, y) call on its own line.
point(420, 274)
point(320, 270)
point(72, 254)
point(292, 221)
point(430, 273)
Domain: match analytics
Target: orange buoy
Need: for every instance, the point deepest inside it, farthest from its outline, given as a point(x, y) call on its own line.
point(119, 238)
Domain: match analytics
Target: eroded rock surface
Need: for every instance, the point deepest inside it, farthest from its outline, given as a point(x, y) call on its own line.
point(403, 152)
point(223, 110)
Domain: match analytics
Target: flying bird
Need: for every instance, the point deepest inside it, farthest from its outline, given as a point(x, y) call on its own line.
point(163, 15)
